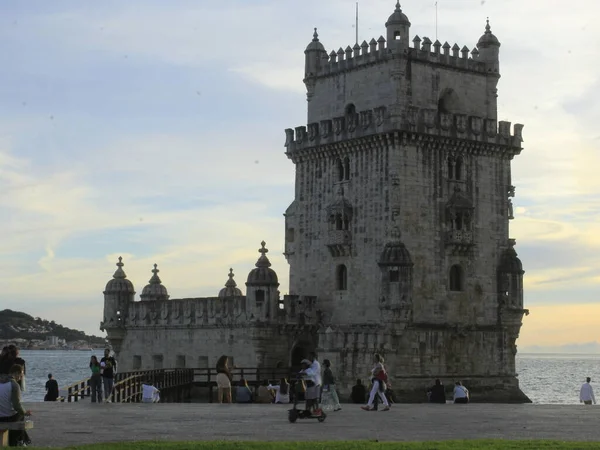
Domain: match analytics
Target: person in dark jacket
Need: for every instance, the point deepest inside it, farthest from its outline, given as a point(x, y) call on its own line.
point(51, 389)
point(437, 394)
point(359, 393)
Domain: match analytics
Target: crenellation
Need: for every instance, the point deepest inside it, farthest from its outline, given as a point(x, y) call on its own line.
point(437, 45)
point(426, 45)
point(416, 120)
point(455, 51)
point(417, 42)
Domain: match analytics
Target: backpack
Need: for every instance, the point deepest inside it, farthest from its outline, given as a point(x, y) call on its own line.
point(382, 376)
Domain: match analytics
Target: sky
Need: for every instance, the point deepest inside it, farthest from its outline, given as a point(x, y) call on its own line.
point(154, 130)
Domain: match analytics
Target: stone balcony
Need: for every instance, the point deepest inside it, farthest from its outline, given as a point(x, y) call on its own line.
point(339, 242)
point(461, 241)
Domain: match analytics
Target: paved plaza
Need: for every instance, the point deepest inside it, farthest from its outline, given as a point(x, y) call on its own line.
point(63, 424)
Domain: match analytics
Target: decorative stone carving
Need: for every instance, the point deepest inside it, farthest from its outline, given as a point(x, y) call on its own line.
point(510, 210)
point(461, 123)
point(366, 119)
point(510, 191)
point(476, 125)
point(289, 136)
point(338, 125)
point(490, 127)
point(412, 115)
point(313, 131)
point(325, 128)
point(429, 118)
point(300, 134)
point(445, 121)
point(504, 129)
point(352, 122)
point(379, 115)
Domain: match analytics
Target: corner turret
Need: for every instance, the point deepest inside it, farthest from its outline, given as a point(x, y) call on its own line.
point(398, 28)
point(154, 291)
point(230, 289)
point(489, 50)
point(118, 294)
point(314, 54)
point(261, 288)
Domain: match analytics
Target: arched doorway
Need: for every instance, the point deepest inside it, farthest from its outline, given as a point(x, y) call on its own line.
point(299, 352)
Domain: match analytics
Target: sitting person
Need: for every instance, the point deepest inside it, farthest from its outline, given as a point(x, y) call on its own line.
point(243, 394)
point(149, 393)
point(11, 409)
point(359, 393)
point(437, 393)
point(282, 391)
point(264, 394)
point(461, 393)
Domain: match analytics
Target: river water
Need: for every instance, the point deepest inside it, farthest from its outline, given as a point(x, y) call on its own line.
point(545, 378)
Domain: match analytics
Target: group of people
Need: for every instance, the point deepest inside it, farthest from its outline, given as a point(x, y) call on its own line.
point(12, 382)
point(437, 393)
point(103, 374)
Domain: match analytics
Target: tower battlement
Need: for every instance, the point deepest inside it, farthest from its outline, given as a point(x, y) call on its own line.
point(379, 51)
point(416, 120)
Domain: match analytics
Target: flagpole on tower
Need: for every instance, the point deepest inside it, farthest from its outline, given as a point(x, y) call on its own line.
point(436, 21)
point(356, 23)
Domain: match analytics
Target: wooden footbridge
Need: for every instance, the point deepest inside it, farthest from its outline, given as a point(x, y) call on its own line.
point(175, 385)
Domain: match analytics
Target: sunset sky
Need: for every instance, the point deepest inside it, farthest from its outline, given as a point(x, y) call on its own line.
point(154, 130)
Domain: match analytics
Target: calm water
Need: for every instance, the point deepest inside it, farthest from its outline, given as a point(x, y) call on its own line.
point(549, 378)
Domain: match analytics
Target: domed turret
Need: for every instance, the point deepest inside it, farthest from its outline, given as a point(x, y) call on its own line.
point(398, 27)
point(510, 262)
point(230, 289)
point(395, 252)
point(262, 275)
point(314, 54)
point(154, 291)
point(489, 49)
point(119, 282)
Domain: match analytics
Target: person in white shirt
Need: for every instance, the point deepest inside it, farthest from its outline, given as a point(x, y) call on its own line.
point(282, 391)
point(149, 393)
point(586, 395)
point(461, 393)
point(312, 371)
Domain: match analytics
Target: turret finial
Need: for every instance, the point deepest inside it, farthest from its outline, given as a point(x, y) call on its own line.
point(263, 261)
point(230, 281)
point(398, 5)
point(315, 36)
point(488, 29)
point(119, 273)
point(155, 279)
point(395, 233)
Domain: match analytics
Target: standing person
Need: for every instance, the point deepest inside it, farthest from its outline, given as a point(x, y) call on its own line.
point(11, 409)
point(312, 374)
point(224, 379)
point(51, 389)
point(461, 393)
point(359, 392)
point(109, 368)
point(586, 394)
point(329, 384)
point(378, 379)
point(95, 380)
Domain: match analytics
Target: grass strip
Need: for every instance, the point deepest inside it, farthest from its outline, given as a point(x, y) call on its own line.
point(495, 444)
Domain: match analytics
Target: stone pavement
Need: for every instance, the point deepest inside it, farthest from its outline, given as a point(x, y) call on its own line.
point(62, 424)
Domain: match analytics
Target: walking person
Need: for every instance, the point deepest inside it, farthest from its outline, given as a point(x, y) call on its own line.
point(378, 379)
point(586, 394)
point(51, 389)
point(329, 385)
point(108, 365)
point(95, 380)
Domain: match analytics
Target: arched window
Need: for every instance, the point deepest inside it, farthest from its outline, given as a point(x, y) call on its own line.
point(350, 109)
point(396, 35)
point(450, 169)
point(341, 278)
point(456, 278)
point(458, 166)
point(340, 170)
point(346, 168)
point(339, 222)
point(346, 223)
point(458, 222)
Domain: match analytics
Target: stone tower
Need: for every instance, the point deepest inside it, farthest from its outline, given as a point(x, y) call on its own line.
point(400, 222)
point(118, 295)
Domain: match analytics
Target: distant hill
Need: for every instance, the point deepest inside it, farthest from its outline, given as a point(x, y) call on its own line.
point(584, 347)
point(18, 325)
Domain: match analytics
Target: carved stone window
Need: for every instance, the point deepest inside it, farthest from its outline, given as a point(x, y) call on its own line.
point(397, 36)
point(180, 362)
point(342, 222)
point(341, 278)
point(346, 168)
point(394, 276)
point(456, 278)
point(455, 168)
point(158, 361)
point(340, 170)
point(290, 234)
point(137, 362)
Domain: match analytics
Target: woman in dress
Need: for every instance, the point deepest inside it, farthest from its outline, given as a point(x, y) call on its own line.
point(224, 379)
point(329, 385)
point(95, 380)
point(378, 379)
